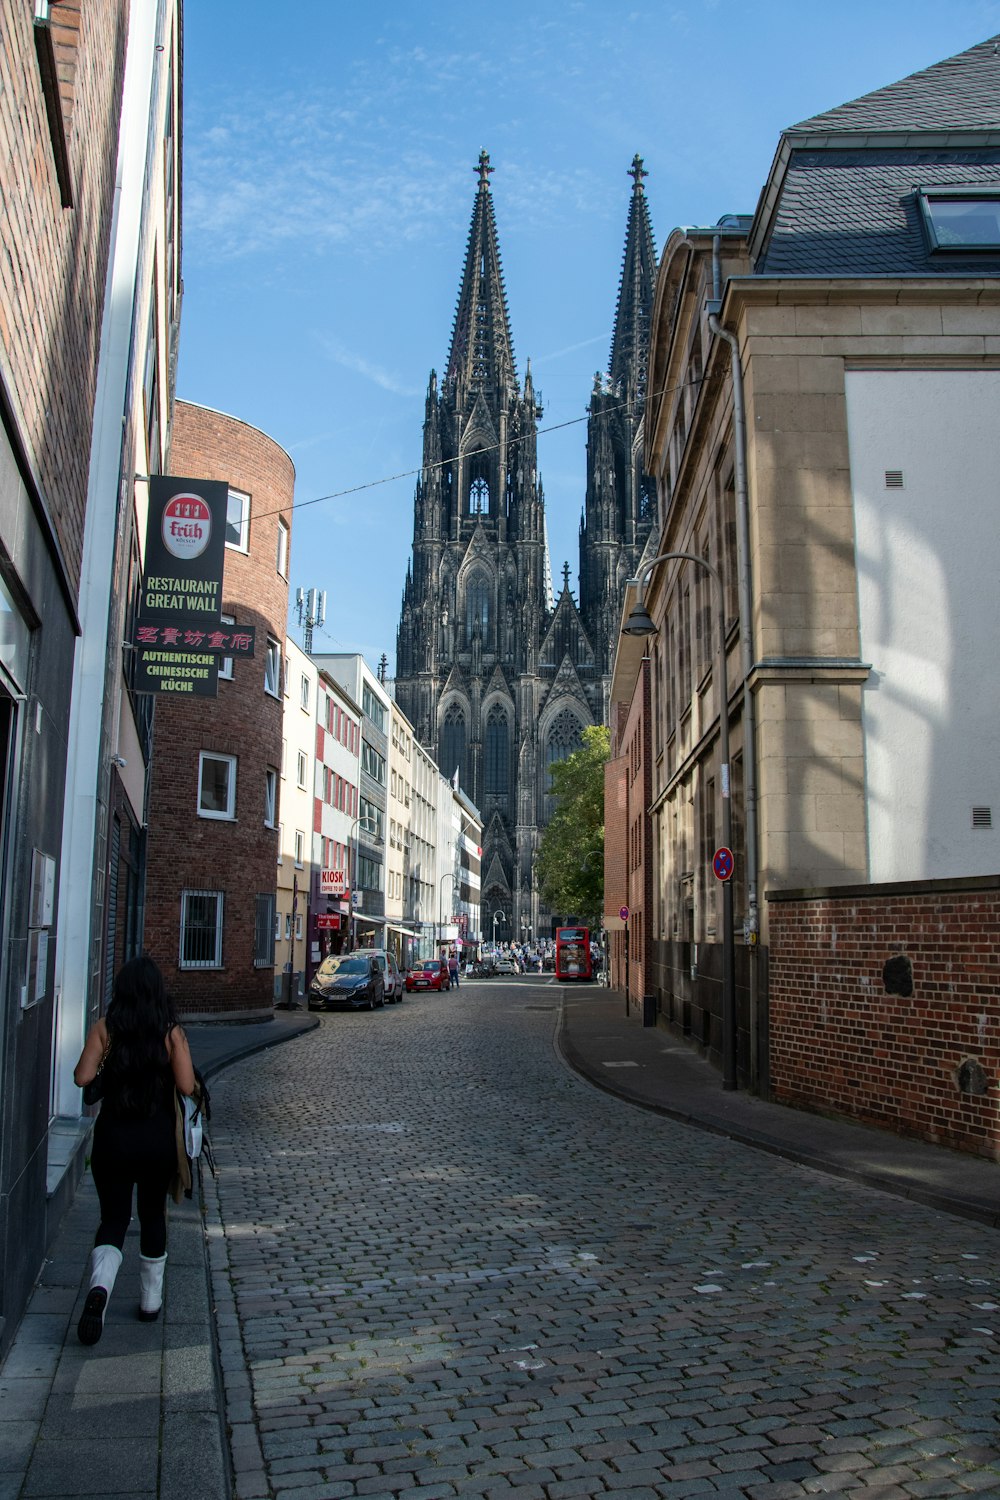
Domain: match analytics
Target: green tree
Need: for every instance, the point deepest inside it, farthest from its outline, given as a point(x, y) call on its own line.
point(570, 863)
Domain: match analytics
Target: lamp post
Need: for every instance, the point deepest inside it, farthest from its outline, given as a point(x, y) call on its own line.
point(498, 916)
point(640, 623)
point(448, 875)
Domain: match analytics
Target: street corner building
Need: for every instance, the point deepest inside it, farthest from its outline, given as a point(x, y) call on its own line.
point(494, 670)
point(211, 883)
point(821, 425)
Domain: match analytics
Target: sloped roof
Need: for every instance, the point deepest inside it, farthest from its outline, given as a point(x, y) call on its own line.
point(855, 213)
point(840, 198)
point(960, 93)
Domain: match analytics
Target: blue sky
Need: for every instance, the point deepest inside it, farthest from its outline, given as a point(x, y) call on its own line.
point(329, 155)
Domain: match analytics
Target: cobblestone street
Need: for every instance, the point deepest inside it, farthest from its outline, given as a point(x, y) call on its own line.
point(443, 1264)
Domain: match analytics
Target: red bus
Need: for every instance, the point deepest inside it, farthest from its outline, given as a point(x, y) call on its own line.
point(573, 959)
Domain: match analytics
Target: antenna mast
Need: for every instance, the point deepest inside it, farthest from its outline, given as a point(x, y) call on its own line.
point(311, 606)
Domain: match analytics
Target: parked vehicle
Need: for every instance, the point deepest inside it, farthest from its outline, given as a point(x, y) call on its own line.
point(507, 965)
point(429, 974)
point(347, 981)
point(392, 979)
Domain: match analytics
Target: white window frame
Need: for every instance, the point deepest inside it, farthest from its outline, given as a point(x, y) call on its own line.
point(270, 797)
point(302, 771)
point(304, 694)
point(272, 668)
point(237, 497)
point(284, 538)
point(229, 815)
point(298, 926)
point(215, 962)
point(226, 662)
point(300, 848)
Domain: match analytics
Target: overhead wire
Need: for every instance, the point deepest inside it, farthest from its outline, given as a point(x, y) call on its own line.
point(443, 463)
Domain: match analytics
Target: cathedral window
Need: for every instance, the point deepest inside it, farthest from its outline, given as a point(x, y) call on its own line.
point(477, 606)
point(497, 753)
point(565, 737)
point(479, 484)
point(452, 755)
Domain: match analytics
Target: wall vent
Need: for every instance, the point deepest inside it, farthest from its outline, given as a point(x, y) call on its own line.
point(894, 479)
point(982, 817)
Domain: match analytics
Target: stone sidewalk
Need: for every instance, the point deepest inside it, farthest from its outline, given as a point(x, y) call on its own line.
point(140, 1413)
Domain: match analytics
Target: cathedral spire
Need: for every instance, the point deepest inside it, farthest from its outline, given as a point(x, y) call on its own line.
point(630, 341)
point(482, 355)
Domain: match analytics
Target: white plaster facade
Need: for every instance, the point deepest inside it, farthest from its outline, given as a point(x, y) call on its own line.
point(923, 448)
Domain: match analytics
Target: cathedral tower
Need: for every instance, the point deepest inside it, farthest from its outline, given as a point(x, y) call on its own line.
point(494, 674)
point(620, 505)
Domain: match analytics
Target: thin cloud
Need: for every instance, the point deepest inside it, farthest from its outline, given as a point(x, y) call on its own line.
point(341, 355)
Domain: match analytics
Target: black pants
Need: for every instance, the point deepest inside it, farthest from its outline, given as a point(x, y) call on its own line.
point(139, 1154)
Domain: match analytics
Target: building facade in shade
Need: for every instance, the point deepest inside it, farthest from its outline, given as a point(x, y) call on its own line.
point(213, 839)
point(821, 426)
point(89, 136)
point(336, 798)
point(494, 672)
point(291, 808)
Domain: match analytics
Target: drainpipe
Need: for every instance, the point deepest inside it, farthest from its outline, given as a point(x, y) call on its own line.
point(746, 645)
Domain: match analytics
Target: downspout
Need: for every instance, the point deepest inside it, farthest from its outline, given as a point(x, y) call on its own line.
point(746, 650)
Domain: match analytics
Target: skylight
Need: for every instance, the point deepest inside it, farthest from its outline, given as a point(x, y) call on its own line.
point(961, 219)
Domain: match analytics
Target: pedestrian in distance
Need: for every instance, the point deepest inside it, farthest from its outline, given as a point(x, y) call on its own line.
point(139, 1055)
point(453, 967)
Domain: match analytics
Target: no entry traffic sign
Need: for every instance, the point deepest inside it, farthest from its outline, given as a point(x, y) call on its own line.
point(623, 913)
point(723, 864)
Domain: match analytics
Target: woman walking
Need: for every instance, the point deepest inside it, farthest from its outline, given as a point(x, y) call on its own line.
point(142, 1056)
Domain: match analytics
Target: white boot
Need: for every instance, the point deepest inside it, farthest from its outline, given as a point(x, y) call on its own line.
point(151, 1269)
point(104, 1263)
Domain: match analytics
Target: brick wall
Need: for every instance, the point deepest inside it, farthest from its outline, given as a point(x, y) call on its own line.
point(187, 852)
point(54, 260)
point(848, 1038)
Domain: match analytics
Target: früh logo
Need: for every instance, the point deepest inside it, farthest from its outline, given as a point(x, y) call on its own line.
point(186, 526)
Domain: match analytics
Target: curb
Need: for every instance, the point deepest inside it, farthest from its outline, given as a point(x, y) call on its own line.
point(801, 1156)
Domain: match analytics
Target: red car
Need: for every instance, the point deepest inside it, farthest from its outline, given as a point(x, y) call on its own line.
point(431, 974)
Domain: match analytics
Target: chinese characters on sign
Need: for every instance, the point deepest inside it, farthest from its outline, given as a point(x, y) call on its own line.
point(180, 639)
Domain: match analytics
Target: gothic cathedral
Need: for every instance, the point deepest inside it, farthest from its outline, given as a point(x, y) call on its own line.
point(492, 669)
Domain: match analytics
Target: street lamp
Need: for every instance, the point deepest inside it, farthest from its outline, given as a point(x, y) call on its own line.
point(640, 623)
point(498, 916)
point(448, 875)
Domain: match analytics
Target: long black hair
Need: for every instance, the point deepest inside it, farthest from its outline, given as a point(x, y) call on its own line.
point(138, 1020)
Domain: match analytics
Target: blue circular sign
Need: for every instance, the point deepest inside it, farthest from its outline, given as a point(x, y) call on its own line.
point(723, 864)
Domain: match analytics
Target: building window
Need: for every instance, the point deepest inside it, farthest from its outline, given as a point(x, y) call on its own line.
point(374, 709)
point(370, 818)
point(373, 763)
point(300, 844)
point(282, 547)
point(564, 738)
point(226, 662)
point(477, 606)
point(263, 930)
point(216, 785)
point(270, 797)
point(304, 694)
point(277, 926)
point(298, 926)
point(452, 756)
point(272, 668)
point(959, 219)
point(369, 873)
point(300, 775)
point(201, 929)
point(238, 521)
point(497, 753)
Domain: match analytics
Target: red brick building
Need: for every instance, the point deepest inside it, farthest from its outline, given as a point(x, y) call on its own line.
point(214, 814)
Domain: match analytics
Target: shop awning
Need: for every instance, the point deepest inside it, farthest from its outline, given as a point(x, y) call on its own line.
point(406, 931)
